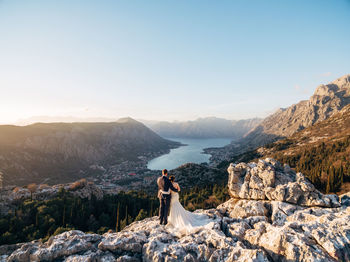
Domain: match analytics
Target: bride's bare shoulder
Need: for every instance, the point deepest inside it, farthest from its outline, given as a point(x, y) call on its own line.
point(177, 186)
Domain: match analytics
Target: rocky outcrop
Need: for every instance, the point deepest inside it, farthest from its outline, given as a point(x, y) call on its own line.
point(269, 180)
point(300, 224)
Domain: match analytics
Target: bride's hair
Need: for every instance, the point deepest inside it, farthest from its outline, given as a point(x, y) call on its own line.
point(172, 178)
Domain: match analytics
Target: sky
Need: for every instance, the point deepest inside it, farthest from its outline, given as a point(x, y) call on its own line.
point(167, 60)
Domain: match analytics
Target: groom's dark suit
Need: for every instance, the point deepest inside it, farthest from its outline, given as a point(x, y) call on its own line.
point(164, 186)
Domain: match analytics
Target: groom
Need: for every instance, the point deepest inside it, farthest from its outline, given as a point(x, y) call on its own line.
point(164, 186)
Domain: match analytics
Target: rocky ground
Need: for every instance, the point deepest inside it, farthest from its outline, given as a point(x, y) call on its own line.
point(274, 215)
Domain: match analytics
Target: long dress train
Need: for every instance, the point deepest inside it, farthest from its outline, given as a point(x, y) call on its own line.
point(183, 221)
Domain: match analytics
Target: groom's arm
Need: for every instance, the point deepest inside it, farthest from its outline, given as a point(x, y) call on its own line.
point(171, 186)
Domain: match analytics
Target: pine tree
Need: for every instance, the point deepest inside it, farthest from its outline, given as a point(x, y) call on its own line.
point(126, 215)
point(330, 180)
point(123, 224)
point(71, 215)
point(151, 209)
point(37, 219)
point(339, 178)
point(64, 216)
point(117, 226)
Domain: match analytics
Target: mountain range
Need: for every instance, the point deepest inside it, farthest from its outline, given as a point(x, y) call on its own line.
point(63, 152)
point(61, 119)
point(209, 127)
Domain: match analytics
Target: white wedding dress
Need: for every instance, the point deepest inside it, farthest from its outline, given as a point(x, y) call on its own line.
point(183, 221)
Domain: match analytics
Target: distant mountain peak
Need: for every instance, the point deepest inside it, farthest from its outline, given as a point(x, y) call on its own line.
point(326, 90)
point(127, 120)
point(340, 84)
point(345, 79)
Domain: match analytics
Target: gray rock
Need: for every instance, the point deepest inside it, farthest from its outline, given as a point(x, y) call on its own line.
point(345, 199)
point(269, 181)
point(65, 244)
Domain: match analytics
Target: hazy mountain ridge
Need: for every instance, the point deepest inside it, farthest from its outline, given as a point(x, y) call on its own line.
point(61, 119)
point(209, 127)
point(64, 151)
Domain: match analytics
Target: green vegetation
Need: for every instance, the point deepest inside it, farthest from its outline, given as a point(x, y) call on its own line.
point(34, 219)
point(204, 197)
point(327, 165)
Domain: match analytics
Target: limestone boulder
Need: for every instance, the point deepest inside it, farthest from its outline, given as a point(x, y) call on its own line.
point(65, 244)
point(269, 180)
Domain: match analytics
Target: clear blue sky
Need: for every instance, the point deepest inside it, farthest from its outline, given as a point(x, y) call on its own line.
point(168, 60)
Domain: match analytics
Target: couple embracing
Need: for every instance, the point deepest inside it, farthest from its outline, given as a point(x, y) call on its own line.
point(171, 212)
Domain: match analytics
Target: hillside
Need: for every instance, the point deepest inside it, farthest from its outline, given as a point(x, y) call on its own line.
point(321, 152)
point(274, 214)
point(64, 152)
point(210, 127)
point(326, 101)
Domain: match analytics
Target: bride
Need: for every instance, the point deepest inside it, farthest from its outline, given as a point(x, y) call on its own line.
point(181, 219)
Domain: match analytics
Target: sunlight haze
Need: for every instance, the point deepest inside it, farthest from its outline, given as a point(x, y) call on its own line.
point(167, 60)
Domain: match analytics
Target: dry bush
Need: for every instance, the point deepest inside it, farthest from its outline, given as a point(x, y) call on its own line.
point(32, 187)
point(44, 186)
point(190, 206)
point(78, 184)
point(211, 202)
point(16, 189)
